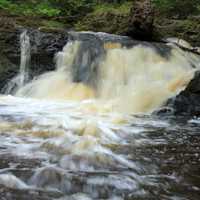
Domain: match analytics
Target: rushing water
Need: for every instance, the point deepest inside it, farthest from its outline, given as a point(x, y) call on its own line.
point(22, 77)
point(85, 131)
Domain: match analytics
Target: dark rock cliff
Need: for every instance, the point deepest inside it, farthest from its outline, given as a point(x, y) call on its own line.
point(141, 19)
point(188, 101)
point(43, 47)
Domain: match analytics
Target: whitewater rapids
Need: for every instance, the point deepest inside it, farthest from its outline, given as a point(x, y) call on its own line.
point(130, 80)
point(85, 131)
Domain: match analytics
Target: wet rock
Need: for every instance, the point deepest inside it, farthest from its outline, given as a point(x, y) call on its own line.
point(8, 38)
point(141, 20)
point(187, 29)
point(44, 45)
point(109, 22)
point(188, 101)
point(90, 51)
point(7, 70)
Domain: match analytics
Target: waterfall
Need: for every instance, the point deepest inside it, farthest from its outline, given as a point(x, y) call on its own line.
point(125, 75)
point(22, 77)
point(25, 58)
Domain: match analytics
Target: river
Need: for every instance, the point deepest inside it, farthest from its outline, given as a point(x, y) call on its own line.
point(88, 129)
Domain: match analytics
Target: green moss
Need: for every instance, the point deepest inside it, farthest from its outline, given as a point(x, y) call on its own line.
point(85, 15)
point(187, 29)
point(106, 17)
point(52, 24)
point(29, 8)
point(104, 22)
point(177, 8)
point(112, 8)
point(46, 10)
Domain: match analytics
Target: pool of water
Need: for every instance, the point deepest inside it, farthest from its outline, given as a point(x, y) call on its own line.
point(69, 150)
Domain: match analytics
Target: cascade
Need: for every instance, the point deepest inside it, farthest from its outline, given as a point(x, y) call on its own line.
point(25, 58)
point(22, 77)
point(83, 130)
point(129, 76)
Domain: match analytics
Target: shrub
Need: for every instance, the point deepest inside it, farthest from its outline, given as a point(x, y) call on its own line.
point(181, 8)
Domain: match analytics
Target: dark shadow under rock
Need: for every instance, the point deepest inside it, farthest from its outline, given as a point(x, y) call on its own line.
point(141, 20)
point(188, 101)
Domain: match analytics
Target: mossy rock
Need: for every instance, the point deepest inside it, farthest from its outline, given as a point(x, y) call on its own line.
point(188, 29)
point(44, 44)
point(104, 22)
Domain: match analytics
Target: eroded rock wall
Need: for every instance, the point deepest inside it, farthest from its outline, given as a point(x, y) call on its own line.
point(44, 45)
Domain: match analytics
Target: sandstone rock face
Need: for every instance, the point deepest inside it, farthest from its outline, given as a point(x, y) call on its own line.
point(141, 20)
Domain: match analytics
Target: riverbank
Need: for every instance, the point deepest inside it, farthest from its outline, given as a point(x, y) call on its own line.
point(106, 17)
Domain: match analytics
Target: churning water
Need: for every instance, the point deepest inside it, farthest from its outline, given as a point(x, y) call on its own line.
point(85, 131)
point(138, 75)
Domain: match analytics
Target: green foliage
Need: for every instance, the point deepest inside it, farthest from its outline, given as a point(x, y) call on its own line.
point(113, 8)
point(31, 8)
point(76, 9)
point(73, 7)
point(181, 8)
point(46, 10)
point(3, 3)
point(51, 24)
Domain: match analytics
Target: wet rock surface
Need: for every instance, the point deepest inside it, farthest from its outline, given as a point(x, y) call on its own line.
point(141, 20)
point(44, 45)
point(187, 29)
point(188, 101)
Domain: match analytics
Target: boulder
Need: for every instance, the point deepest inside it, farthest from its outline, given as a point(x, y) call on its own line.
point(141, 20)
point(188, 101)
point(186, 29)
point(44, 44)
